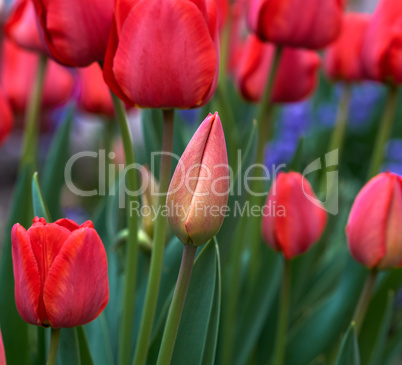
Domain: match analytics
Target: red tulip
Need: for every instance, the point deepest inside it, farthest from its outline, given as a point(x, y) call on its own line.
point(374, 226)
point(296, 77)
point(2, 353)
point(171, 65)
point(95, 95)
point(382, 48)
point(343, 59)
point(60, 272)
point(17, 76)
point(76, 31)
point(297, 23)
point(199, 189)
point(291, 223)
point(6, 118)
point(22, 27)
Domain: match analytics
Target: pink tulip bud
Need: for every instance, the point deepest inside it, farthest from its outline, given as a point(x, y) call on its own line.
point(373, 230)
point(198, 192)
point(291, 222)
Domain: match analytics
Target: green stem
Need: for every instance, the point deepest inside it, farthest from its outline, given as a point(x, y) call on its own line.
point(54, 345)
point(384, 131)
point(130, 277)
point(30, 143)
point(158, 246)
point(364, 301)
point(176, 307)
point(282, 325)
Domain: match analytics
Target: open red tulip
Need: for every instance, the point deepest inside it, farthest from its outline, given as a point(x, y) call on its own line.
point(60, 272)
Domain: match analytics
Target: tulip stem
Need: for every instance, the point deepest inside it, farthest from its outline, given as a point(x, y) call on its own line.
point(130, 277)
point(176, 307)
point(54, 345)
point(284, 303)
point(158, 246)
point(384, 131)
point(364, 301)
point(30, 143)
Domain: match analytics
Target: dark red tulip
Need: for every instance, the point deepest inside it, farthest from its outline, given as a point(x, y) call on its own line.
point(17, 75)
point(297, 23)
point(382, 48)
point(95, 95)
point(291, 223)
point(374, 225)
point(76, 31)
point(296, 77)
point(60, 272)
point(23, 28)
point(172, 65)
point(6, 118)
point(343, 59)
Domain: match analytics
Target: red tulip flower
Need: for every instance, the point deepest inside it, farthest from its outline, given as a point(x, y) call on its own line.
point(163, 53)
point(2, 352)
point(60, 272)
point(23, 28)
point(95, 95)
point(291, 222)
point(76, 31)
point(296, 77)
point(296, 23)
point(374, 226)
point(343, 59)
point(6, 118)
point(17, 75)
point(199, 189)
point(382, 48)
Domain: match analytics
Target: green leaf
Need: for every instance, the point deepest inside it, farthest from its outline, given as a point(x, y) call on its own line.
point(349, 351)
point(39, 206)
point(85, 353)
point(69, 349)
point(53, 172)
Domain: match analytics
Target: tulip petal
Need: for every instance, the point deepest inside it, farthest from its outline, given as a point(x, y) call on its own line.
point(76, 289)
point(26, 276)
point(6, 119)
point(178, 50)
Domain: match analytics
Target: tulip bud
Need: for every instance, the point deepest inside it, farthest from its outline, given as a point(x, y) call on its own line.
point(149, 200)
point(199, 189)
point(6, 118)
point(60, 272)
point(2, 353)
point(296, 23)
point(343, 59)
point(373, 229)
point(291, 222)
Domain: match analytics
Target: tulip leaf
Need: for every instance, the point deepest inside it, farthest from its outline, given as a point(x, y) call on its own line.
point(85, 353)
point(53, 172)
point(349, 351)
point(39, 206)
point(69, 350)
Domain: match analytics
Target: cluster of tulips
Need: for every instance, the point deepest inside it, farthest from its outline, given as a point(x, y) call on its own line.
point(113, 289)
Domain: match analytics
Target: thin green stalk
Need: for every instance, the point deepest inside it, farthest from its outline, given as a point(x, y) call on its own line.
point(384, 131)
point(158, 247)
point(364, 300)
point(130, 277)
point(265, 128)
point(54, 345)
point(176, 307)
point(284, 303)
point(30, 143)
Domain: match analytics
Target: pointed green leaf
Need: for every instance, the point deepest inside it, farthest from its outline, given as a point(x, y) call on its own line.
point(85, 353)
point(349, 351)
point(39, 206)
point(69, 350)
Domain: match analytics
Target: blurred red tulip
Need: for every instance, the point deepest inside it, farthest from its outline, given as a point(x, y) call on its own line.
point(382, 48)
point(60, 272)
point(223, 12)
point(296, 77)
point(2, 353)
point(172, 65)
point(17, 76)
point(22, 27)
point(6, 118)
point(297, 23)
point(199, 189)
point(374, 226)
point(343, 59)
point(76, 31)
point(291, 223)
point(95, 95)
